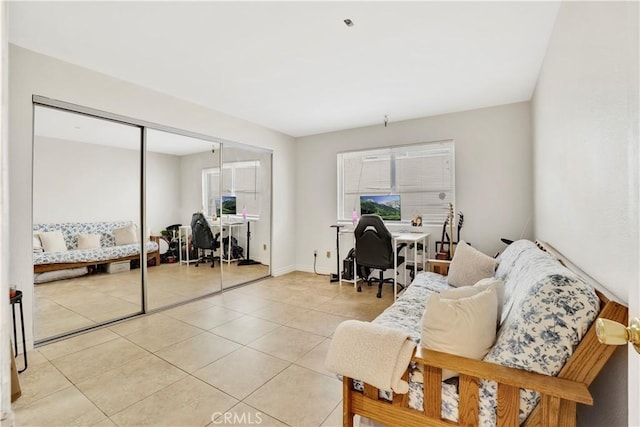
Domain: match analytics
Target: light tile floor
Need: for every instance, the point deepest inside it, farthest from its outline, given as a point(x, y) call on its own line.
point(251, 356)
point(67, 305)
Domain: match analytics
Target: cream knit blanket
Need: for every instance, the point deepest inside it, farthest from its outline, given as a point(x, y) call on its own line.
point(375, 354)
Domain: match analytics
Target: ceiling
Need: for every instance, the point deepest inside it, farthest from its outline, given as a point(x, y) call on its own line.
point(295, 66)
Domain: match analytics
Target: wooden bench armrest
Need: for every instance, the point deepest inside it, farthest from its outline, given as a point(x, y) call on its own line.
point(439, 266)
point(545, 384)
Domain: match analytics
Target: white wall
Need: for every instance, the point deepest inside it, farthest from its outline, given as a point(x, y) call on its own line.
point(163, 188)
point(76, 182)
point(585, 120)
point(32, 73)
point(493, 177)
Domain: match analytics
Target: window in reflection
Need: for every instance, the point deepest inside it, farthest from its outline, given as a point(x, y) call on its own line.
point(240, 197)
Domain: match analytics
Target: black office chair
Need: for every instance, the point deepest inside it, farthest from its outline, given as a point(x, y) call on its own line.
point(203, 239)
point(374, 248)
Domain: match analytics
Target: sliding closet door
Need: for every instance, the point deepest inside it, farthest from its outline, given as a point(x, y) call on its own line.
point(245, 218)
point(176, 189)
point(86, 221)
point(114, 201)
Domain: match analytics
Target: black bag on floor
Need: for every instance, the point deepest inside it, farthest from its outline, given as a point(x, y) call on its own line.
point(347, 267)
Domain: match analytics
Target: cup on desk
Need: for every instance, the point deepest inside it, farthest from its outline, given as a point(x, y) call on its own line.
point(12, 291)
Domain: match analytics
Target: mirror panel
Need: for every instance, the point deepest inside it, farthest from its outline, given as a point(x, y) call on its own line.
point(173, 195)
point(246, 181)
point(86, 221)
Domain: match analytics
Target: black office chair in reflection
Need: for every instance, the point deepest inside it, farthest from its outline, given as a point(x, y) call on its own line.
point(203, 239)
point(374, 248)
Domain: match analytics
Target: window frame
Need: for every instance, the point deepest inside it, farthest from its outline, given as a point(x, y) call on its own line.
point(444, 149)
point(232, 167)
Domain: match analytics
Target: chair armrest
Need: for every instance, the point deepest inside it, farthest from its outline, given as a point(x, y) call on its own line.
point(545, 384)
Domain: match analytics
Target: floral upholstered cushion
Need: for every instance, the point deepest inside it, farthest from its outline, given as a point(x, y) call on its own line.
point(90, 255)
point(548, 309)
point(70, 232)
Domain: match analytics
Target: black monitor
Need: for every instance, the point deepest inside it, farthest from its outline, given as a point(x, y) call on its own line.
point(388, 207)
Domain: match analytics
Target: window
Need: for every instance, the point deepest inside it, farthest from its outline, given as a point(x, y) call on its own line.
point(422, 174)
point(239, 179)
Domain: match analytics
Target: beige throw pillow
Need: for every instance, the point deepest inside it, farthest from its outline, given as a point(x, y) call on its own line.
point(464, 325)
point(126, 235)
point(481, 285)
point(498, 285)
point(469, 265)
point(52, 241)
point(37, 244)
point(88, 241)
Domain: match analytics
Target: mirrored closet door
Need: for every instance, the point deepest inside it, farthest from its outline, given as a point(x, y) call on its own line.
point(98, 257)
point(189, 264)
point(86, 221)
point(244, 215)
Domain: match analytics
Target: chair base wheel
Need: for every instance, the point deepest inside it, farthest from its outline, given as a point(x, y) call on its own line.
point(379, 295)
point(359, 288)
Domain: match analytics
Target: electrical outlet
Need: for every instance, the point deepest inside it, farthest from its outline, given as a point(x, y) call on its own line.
point(328, 254)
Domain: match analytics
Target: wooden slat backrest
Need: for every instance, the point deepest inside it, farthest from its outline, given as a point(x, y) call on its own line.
point(432, 388)
point(468, 406)
point(508, 411)
point(402, 399)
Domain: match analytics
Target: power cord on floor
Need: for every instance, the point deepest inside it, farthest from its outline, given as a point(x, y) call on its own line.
point(315, 259)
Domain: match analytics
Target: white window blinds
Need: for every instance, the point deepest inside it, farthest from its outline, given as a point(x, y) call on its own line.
point(422, 174)
point(239, 179)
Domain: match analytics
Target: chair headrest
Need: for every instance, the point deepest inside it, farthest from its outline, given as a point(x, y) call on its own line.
point(371, 223)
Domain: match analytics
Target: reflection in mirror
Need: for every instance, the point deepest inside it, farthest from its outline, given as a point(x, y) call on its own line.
point(173, 196)
point(191, 215)
point(86, 221)
point(244, 212)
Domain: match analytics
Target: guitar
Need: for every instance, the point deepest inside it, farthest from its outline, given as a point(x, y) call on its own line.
point(446, 254)
point(451, 218)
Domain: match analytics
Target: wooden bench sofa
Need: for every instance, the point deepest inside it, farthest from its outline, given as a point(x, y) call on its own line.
point(558, 395)
point(72, 257)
